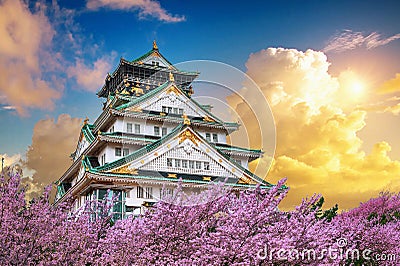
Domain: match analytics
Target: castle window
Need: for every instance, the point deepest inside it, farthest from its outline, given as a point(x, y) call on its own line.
point(169, 162)
point(180, 110)
point(139, 192)
point(208, 136)
point(191, 164)
point(118, 151)
point(215, 137)
point(165, 191)
point(177, 163)
point(164, 109)
point(156, 131)
point(129, 127)
point(137, 129)
point(149, 193)
point(184, 163)
point(198, 165)
point(125, 152)
point(103, 159)
point(175, 110)
point(206, 166)
point(164, 131)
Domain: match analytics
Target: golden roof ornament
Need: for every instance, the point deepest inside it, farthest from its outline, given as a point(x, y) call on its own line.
point(155, 47)
point(171, 77)
point(186, 120)
point(85, 122)
point(191, 91)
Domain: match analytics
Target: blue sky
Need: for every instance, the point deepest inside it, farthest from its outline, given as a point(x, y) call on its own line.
point(65, 48)
point(215, 30)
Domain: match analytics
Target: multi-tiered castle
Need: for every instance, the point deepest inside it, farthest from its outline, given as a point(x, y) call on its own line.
point(151, 135)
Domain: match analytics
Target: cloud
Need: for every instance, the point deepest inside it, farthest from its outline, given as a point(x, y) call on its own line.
point(48, 155)
point(349, 40)
point(390, 86)
point(24, 35)
point(90, 77)
point(146, 8)
point(318, 148)
point(395, 109)
point(390, 105)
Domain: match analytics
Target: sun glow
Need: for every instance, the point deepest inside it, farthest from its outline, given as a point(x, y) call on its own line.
point(357, 87)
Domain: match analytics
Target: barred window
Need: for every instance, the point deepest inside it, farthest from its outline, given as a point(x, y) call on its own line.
point(215, 137)
point(139, 192)
point(149, 192)
point(129, 127)
point(156, 131)
point(198, 165)
point(208, 136)
point(137, 129)
point(169, 162)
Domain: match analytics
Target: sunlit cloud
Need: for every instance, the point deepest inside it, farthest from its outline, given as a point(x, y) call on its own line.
point(349, 40)
point(395, 109)
point(146, 8)
point(90, 77)
point(390, 86)
point(389, 105)
point(24, 35)
point(48, 155)
point(317, 123)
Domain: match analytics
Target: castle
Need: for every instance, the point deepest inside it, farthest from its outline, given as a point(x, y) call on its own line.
point(151, 135)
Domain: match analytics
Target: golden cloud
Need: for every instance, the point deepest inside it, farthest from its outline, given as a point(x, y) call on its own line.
point(318, 149)
point(390, 86)
point(48, 154)
point(23, 35)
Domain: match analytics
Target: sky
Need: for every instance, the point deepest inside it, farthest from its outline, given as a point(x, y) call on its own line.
point(330, 71)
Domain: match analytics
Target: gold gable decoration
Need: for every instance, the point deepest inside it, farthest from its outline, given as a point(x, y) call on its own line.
point(187, 134)
point(173, 89)
point(156, 54)
point(125, 170)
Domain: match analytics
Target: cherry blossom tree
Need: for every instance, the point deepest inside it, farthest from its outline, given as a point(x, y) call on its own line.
point(229, 228)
